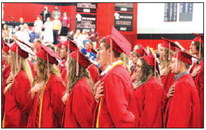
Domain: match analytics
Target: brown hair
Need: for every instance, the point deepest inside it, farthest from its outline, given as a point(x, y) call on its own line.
point(42, 74)
point(107, 46)
point(71, 74)
point(197, 46)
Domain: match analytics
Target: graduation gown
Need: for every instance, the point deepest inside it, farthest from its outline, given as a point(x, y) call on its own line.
point(199, 82)
point(80, 106)
point(150, 100)
point(114, 108)
point(183, 109)
point(17, 99)
point(47, 109)
point(167, 81)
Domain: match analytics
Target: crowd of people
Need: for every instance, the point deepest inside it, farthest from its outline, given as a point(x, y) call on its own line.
point(54, 80)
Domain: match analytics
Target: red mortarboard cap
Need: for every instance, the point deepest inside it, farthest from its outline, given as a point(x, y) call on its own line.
point(72, 45)
point(121, 44)
point(169, 44)
point(140, 51)
point(65, 43)
point(45, 51)
point(59, 45)
point(83, 61)
point(199, 38)
point(183, 56)
point(149, 60)
point(15, 48)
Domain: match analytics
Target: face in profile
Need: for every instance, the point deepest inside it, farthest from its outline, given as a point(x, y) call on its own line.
point(138, 68)
point(104, 55)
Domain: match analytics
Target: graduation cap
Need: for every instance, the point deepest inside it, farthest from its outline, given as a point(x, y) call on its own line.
point(199, 38)
point(21, 49)
point(48, 55)
point(151, 60)
point(121, 44)
point(140, 51)
point(72, 45)
point(80, 59)
point(185, 57)
point(170, 45)
point(59, 45)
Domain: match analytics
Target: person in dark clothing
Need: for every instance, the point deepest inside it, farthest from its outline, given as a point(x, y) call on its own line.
point(45, 14)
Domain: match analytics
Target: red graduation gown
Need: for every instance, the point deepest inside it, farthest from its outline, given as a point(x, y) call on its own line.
point(183, 109)
point(167, 81)
point(199, 82)
point(46, 111)
point(114, 108)
point(150, 100)
point(80, 106)
point(16, 102)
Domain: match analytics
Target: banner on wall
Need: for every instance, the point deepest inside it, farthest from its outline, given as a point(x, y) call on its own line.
point(123, 21)
point(126, 7)
point(86, 7)
point(87, 21)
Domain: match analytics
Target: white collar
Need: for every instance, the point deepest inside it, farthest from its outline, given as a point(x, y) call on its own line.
point(109, 67)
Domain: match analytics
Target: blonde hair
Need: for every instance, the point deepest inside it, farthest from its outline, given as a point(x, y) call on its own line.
point(165, 62)
point(42, 71)
point(21, 64)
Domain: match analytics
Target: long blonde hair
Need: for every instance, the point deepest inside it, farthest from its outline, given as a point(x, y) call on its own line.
point(19, 63)
point(165, 62)
point(42, 71)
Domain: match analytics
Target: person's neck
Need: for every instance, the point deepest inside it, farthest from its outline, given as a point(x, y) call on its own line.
point(182, 70)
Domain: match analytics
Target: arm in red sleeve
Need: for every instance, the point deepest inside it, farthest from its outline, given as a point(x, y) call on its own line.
point(152, 115)
point(82, 106)
point(57, 92)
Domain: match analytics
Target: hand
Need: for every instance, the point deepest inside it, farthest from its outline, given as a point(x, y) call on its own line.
point(10, 79)
point(65, 98)
point(98, 90)
point(171, 91)
point(195, 71)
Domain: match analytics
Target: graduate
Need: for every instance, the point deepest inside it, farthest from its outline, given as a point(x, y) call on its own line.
point(183, 108)
point(18, 85)
point(197, 70)
point(113, 109)
point(148, 93)
point(80, 102)
point(135, 55)
point(46, 92)
point(166, 50)
point(6, 69)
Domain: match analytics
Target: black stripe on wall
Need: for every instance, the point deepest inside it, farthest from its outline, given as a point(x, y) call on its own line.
point(168, 36)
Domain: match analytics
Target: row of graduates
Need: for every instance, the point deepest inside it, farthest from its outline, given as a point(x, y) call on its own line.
point(39, 96)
